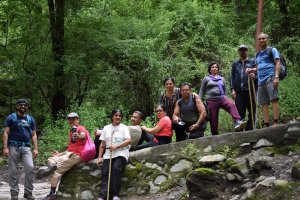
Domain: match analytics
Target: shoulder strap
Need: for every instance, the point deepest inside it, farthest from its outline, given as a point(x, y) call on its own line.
point(270, 54)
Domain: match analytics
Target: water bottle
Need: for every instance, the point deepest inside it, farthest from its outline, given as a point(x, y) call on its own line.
point(73, 130)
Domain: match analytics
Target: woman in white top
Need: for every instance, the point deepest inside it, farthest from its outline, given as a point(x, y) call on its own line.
point(115, 138)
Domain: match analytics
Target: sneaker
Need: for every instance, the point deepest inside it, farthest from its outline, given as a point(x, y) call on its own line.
point(46, 172)
point(100, 198)
point(239, 125)
point(116, 198)
point(50, 197)
point(14, 196)
point(28, 196)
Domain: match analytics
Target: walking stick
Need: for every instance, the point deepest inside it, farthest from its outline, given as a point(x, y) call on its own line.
point(256, 105)
point(109, 169)
point(251, 106)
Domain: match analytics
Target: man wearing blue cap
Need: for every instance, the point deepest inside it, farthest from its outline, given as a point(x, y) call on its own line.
point(19, 130)
point(240, 88)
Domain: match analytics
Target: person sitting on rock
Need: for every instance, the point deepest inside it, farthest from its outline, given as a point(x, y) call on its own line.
point(61, 162)
point(138, 136)
point(162, 131)
point(189, 115)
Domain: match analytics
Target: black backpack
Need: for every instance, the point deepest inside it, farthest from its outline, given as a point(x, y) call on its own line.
point(283, 70)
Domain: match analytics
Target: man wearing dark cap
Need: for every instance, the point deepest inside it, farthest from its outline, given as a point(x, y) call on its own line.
point(60, 162)
point(19, 130)
point(240, 88)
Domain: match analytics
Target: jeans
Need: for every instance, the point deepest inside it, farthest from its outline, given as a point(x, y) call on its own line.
point(117, 167)
point(17, 154)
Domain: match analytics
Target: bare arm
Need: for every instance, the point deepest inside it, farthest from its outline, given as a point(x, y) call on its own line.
point(202, 114)
point(35, 144)
point(154, 130)
point(277, 70)
point(176, 113)
point(201, 109)
point(5, 142)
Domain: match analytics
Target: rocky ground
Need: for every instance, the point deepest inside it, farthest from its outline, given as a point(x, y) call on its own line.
point(42, 187)
point(280, 167)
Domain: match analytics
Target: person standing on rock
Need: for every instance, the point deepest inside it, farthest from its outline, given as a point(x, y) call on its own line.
point(61, 162)
point(115, 141)
point(240, 89)
point(19, 129)
point(267, 69)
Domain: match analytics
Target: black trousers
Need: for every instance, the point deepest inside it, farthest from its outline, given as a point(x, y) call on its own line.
point(242, 103)
point(182, 131)
point(117, 167)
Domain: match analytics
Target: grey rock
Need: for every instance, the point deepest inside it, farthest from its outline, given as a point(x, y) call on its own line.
point(230, 177)
point(181, 166)
point(247, 185)
point(258, 162)
point(280, 182)
point(212, 159)
point(296, 170)
point(235, 197)
point(96, 173)
point(263, 143)
point(153, 166)
point(207, 149)
point(268, 182)
point(160, 179)
point(87, 195)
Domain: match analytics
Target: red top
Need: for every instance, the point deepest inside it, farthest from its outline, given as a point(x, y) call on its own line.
point(77, 147)
point(166, 125)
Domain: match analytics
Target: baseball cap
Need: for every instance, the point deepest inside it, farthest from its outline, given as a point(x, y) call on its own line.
point(72, 115)
point(22, 101)
point(243, 47)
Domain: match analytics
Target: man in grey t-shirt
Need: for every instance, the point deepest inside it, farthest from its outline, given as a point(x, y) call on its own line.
point(189, 115)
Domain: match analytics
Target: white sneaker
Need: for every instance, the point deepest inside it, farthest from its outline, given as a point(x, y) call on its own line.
point(239, 125)
point(116, 198)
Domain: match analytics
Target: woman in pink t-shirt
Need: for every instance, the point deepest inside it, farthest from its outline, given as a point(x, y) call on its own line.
point(162, 131)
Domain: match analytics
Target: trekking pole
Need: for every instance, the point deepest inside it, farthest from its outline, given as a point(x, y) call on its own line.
point(109, 169)
point(251, 106)
point(256, 105)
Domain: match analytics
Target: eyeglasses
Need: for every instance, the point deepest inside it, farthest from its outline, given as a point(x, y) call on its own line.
point(158, 110)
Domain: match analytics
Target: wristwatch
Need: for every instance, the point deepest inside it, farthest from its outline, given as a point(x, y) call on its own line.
point(276, 76)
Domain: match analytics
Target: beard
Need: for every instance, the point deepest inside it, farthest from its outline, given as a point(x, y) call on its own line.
point(22, 110)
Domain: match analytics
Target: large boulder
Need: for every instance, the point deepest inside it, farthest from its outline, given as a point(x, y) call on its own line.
point(204, 183)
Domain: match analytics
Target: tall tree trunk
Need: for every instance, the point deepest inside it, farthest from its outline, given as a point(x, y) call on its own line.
point(56, 12)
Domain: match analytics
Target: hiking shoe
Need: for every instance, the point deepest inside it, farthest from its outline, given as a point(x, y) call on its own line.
point(239, 125)
point(28, 196)
point(116, 198)
point(46, 172)
point(14, 196)
point(50, 197)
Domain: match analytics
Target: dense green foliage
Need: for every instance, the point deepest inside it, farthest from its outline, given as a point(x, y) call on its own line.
point(116, 54)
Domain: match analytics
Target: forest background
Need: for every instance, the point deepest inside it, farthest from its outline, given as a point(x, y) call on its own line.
point(91, 56)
